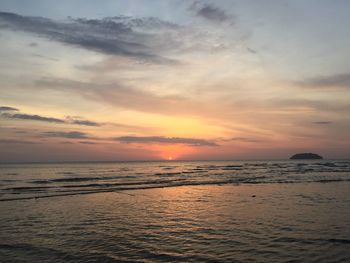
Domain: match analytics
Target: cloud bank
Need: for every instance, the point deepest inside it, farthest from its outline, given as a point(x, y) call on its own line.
point(111, 35)
point(161, 139)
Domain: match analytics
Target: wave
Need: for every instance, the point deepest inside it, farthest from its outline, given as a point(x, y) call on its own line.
point(80, 179)
point(24, 182)
point(118, 187)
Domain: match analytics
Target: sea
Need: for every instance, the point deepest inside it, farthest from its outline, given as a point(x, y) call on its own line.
point(176, 211)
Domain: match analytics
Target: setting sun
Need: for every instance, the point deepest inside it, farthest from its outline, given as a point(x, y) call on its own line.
point(172, 152)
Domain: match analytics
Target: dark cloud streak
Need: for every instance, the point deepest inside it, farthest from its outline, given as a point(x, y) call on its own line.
point(6, 108)
point(13, 141)
point(243, 139)
point(22, 116)
point(35, 117)
point(322, 122)
point(78, 121)
point(87, 142)
point(168, 140)
point(67, 135)
point(86, 123)
point(113, 36)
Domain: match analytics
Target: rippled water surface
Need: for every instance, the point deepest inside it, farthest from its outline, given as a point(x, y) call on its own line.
point(45, 180)
point(285, 211)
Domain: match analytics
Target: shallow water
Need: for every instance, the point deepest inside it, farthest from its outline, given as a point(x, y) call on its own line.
point(23, 181)
point(223, 214)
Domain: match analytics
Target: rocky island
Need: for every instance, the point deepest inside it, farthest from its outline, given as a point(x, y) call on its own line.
point(306, 156)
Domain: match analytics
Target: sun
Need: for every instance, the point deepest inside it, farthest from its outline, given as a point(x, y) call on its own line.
point(172, 152)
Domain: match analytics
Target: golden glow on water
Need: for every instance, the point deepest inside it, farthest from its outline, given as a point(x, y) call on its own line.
point(185, 222)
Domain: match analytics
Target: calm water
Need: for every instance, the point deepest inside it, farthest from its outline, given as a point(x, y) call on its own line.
point(281, 211)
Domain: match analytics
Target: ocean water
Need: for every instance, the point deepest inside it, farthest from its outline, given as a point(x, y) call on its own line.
point(227, 211)
point(23, 181)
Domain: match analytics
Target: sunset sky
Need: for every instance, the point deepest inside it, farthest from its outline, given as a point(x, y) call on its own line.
point(187, 80)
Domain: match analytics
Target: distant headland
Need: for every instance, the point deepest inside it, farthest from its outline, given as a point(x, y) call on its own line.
point(308, 156)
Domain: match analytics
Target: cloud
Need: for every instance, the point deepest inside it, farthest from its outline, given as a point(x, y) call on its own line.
point(6, 108)
point(86, 123)
point(67, 135)
point(337, 80)
point(33, 44)
point(243, 139)
point(168, 140)
point(13, 141)
point(22, 116)
point(322, 122)
point(78, 121)
point(122, 96)
point(209, 12)
point(251, 50)
point(66, 142)
point(300, 104)
point(68, 120)
point(21, 132)
point(111, 35)
point(86, 142)
point(145, 40)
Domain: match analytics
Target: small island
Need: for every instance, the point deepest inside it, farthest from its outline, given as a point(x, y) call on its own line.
point(306, 156)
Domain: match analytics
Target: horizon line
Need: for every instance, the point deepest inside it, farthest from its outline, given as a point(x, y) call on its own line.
point(166, 161)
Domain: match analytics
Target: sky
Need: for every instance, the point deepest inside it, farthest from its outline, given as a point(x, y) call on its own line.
point(183, 80)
